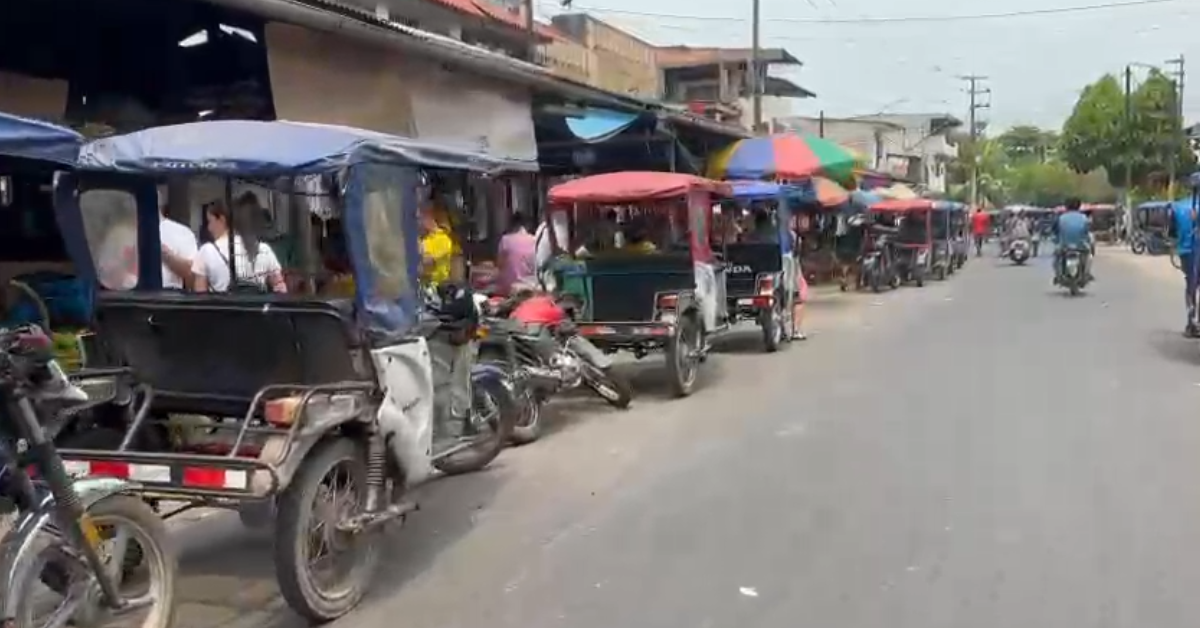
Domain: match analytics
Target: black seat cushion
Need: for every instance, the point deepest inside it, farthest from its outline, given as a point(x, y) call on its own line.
point(210, 354)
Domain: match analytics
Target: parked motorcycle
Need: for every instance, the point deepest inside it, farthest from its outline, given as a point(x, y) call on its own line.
point(1019, 251)
point(547, 356)
point(69, 531)
point(878, 267)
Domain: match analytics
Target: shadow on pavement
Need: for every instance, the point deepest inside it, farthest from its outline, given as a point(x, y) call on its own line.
point(1173, 346)
point(228, 574)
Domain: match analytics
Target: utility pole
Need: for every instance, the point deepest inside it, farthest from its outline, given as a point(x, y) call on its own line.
point(974, 90)
point(756, 88)
point(1128, 134)
point(531, 51)
point(1178, 75)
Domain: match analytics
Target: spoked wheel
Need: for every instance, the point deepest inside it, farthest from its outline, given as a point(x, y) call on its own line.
point(528, 426)
point(324, 572)
point(53, 587)
point(1138, 246)
point(683, 356)
point(491, 426)
point(609, 385)
point(771, 322)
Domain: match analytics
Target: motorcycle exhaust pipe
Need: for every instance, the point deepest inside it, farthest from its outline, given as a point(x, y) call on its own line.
point(543, 377)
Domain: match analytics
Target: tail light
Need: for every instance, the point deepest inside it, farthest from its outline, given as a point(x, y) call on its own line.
point(766, 285)
point(281, 412)
point(668, 301)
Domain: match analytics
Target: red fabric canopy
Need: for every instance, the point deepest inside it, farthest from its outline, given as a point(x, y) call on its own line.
point(902, 205)
point(630, 187)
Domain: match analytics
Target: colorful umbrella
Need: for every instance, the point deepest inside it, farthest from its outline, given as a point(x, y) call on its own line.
point(897, 191)
point(786, 157)
point(829, 193)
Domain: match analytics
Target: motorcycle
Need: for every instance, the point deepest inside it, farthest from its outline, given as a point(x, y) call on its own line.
point(878, 268)
point(547, 356)
point(1019, 251)
point(69, 530)
point(1074, 274)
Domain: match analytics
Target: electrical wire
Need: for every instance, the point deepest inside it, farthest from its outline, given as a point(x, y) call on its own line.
point(895, 19)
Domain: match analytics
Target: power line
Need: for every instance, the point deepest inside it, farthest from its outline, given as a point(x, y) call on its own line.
point(894, 19)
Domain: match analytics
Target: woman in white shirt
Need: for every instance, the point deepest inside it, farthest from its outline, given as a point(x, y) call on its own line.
point(255, 264)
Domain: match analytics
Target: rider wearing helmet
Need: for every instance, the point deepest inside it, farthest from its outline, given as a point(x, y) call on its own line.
point(1072, 229)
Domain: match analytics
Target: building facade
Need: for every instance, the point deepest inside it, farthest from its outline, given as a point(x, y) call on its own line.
point(913, 147)
point(716, 82)
point(615, 60)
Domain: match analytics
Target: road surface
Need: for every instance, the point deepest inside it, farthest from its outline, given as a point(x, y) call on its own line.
point(982, 452)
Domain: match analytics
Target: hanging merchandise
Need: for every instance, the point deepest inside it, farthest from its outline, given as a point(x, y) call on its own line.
point(317, 195)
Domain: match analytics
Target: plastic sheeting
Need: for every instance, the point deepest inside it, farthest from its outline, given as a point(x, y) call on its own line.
point(267, 149)
point(33, 139)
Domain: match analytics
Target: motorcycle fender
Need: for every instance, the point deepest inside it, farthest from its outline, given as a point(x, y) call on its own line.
point(586, 350)
point(491, 372)
point(20, 541)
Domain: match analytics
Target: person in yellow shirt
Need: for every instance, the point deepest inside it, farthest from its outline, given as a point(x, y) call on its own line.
point(638, 239)
point(437, 251)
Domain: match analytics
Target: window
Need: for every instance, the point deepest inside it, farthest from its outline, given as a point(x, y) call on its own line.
point(110, 226)
point(383, 214)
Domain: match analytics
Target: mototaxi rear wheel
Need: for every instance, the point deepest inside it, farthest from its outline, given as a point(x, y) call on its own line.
point(329, 487)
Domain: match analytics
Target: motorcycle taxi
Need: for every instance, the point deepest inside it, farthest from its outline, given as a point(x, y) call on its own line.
point(645, 297)
point(761, 270)
point(278, 398)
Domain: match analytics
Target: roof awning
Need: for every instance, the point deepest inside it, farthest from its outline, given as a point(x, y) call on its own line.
point(597, 125)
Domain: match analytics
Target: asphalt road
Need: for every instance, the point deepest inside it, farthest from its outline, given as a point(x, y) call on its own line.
point(981, 452)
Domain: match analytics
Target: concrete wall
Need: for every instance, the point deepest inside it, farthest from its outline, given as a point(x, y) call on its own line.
point(620, 62)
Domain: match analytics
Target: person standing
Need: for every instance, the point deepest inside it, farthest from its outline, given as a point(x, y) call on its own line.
point(179, 250)
point(254, 263)
point(1183, 230)
point(437, 250)
point(517, 256)
point(980, 223)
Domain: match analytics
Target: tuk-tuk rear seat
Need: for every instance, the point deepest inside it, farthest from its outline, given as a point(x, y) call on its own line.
point(622, 286)
point(211, 354)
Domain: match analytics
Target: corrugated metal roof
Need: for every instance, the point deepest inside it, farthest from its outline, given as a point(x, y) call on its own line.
point(685, 56)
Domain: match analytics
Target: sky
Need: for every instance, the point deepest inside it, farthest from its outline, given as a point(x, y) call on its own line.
point(1036, 64)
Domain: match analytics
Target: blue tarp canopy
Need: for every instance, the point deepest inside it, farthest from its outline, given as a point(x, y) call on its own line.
point(1155, 205)
point(949, 206)
point(762, 190)
point(33, 139)
point(248, 148)
point(597, 125)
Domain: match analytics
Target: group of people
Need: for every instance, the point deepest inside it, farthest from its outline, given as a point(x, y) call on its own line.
point(188, 265)
point(525, 252)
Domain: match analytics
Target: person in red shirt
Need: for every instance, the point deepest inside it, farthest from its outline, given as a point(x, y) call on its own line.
point(980, 225)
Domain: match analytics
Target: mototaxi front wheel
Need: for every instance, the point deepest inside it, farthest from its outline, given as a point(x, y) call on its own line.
point(329, 487)
point(493, 408)
point(527, 427)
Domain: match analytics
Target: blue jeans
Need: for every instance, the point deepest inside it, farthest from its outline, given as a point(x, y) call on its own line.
point(1187, 264)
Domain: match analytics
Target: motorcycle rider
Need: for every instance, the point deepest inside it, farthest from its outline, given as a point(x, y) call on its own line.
point(1183, 229)
point(1018, 229)
point(1072, 230)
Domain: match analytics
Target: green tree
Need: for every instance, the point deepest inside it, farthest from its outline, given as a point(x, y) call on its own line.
point(1092, 135)
point(1097, 134)
point(1026, 142)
